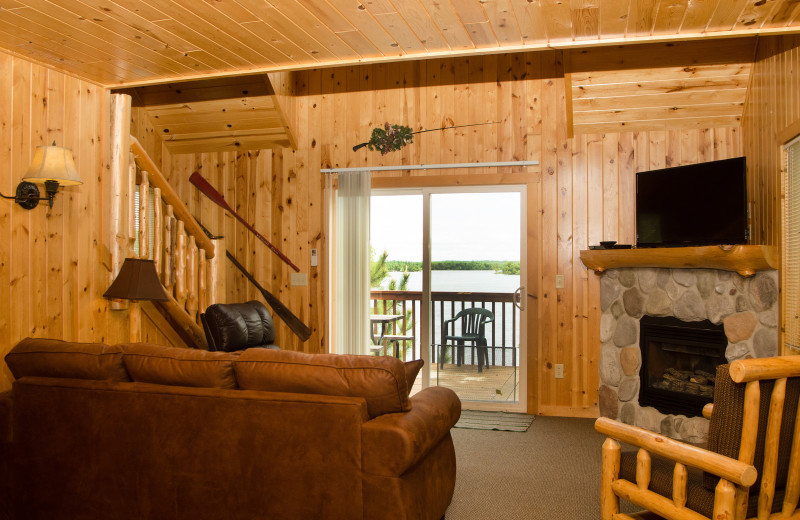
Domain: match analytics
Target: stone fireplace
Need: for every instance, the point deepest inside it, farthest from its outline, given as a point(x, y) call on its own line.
point(746, 309)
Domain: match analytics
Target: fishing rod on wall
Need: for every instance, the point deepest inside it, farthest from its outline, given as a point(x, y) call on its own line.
point(394, 137)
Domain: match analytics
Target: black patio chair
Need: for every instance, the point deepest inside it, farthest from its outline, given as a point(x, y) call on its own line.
point(473, 329)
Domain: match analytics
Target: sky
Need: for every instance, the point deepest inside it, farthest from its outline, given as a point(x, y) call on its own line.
point(465, 226)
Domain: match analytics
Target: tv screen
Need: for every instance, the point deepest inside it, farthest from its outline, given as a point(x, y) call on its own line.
point(694, 205)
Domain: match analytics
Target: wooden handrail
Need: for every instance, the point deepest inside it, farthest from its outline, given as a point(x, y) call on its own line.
point(169, 196)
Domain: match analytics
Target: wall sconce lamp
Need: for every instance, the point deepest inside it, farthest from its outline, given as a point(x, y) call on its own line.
point(137, 280)
point(52, 166)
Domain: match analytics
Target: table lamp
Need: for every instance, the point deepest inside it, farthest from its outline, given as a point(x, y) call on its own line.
point(137, 280)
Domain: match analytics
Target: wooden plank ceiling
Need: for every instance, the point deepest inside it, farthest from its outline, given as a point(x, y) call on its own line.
point(117, 42)
point(660, 86)
point(238, 113)
point(147, 43)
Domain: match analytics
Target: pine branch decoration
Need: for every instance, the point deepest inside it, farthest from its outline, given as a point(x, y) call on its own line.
point(390, 138)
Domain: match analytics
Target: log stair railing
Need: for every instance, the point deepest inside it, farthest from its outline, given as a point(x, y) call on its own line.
point(187, 261)
point(185, 258)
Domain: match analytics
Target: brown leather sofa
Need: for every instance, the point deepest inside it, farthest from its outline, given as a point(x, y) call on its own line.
point(138, 431)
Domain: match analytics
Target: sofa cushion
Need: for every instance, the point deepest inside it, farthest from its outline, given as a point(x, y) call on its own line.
point(161, 365)
point(412, 368)
point(380, 380)
point(56, 358)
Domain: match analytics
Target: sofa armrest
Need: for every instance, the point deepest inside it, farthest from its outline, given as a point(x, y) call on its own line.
point(394, 442)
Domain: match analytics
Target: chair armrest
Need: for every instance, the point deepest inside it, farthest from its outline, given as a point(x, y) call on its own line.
point(725, 467)
point(394, 442)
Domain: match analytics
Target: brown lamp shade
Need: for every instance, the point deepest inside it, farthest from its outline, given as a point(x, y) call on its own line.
point(137, 280)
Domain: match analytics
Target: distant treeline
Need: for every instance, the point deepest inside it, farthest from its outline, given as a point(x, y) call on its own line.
point(456, 265)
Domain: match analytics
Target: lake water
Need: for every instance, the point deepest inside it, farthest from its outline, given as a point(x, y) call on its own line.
point(462, 281)
point(471, 281)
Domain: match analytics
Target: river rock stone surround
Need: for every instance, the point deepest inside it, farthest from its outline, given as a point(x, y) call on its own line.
point(746, 307)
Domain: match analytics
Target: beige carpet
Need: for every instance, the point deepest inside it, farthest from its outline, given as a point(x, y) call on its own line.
point(550, 472)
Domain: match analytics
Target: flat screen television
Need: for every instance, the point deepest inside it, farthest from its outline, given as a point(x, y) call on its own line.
point(695, 205)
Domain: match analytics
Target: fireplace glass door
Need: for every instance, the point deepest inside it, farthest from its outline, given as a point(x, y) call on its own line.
point(679, 364)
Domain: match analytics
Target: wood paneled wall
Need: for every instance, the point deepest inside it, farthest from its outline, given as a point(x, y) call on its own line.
point(51, 278)
point(582, 192)
point(771, 118)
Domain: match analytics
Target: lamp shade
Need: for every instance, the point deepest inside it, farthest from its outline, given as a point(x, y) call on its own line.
point(137, 280)
point(53, 163)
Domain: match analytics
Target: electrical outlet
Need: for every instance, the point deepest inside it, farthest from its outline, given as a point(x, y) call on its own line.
point(559, 281)
point(559, 371)
point(299, 279)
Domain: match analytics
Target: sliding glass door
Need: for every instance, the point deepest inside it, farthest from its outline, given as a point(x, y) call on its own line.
point(454, 258)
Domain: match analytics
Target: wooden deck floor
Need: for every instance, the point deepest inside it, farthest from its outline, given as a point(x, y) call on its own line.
point(493, 384)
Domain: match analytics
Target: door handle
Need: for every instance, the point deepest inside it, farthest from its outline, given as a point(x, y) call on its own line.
point(519, 303)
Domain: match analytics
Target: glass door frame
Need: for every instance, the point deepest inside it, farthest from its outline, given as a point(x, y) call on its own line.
point(520, 405)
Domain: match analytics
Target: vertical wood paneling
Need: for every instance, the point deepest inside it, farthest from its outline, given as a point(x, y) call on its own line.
point(49, 257)
point(771, 118)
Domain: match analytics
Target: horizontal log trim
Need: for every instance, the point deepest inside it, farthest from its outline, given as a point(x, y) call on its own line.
point(725, 467)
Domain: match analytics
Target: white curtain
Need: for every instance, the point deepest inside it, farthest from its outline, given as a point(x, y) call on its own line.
point(351, 281)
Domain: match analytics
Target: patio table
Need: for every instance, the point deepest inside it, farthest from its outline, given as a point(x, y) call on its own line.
point(382, 320)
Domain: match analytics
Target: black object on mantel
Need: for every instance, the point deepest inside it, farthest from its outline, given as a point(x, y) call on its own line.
point(611, 245)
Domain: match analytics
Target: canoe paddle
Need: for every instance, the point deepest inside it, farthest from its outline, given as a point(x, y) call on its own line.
point(216, 197)
point(300, 329)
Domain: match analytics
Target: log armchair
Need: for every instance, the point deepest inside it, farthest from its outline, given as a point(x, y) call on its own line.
point(750, 469)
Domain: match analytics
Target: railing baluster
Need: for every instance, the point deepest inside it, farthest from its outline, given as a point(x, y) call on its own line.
point(144, 195)
point(158, 230)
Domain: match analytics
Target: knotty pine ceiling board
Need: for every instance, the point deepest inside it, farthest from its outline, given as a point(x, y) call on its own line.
point(121, 43)
point(218, 114)
point(660, 86)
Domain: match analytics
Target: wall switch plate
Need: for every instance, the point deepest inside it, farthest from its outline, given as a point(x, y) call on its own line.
point(314, 258)
point(559, 281)
point(559, 371)
point(299, 279)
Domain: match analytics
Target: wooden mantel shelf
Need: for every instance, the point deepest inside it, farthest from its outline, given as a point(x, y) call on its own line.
point(745, 260)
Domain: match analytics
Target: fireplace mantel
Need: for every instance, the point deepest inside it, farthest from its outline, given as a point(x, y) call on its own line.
point(744, 259)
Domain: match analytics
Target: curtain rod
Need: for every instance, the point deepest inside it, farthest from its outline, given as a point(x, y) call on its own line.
point(430, 166)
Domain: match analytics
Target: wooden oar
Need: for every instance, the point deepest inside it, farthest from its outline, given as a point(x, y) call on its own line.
point(298, 327)
point(216, 197)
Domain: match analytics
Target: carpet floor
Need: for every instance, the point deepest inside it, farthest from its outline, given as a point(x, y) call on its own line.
point(550, 472)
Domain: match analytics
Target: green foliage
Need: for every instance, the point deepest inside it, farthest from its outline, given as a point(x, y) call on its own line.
point(390, 138)
point(456, 265)
point(509, 268)
point(377, 268)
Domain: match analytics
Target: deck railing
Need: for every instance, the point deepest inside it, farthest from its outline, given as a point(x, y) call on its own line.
point(502, 335)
